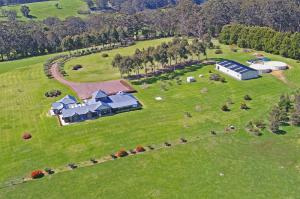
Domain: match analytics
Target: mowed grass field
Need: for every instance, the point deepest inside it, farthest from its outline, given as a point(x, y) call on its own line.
point(253, 167)
point(42, 10)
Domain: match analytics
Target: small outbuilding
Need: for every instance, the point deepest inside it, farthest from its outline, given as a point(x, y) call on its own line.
point(237, 70)
point(190, 79)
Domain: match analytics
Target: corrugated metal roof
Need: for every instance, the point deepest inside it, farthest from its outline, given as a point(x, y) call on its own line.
point(99, 94)
point(235, 66)
point(121, 100)
point(84, 109)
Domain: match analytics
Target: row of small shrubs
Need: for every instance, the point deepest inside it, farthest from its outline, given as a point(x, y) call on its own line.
point(48, 64)
point(53, 93)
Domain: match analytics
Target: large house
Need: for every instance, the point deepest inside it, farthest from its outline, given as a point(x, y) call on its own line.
point(237, 70)
point(101, 104)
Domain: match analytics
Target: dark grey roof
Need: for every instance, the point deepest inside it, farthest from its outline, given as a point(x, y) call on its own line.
point(235, 66)
point(84, 109)
point(68, 99)
point(57, 106)
point(99, 94)
point(122, 100)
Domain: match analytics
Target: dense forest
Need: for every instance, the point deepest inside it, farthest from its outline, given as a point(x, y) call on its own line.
point(261, 38)
point(22, 39)
point(12, 2)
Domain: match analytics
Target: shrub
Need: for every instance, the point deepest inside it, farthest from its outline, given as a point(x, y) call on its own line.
point(121, 153)
point(27, 136)
point(77, 67)
point(53, 93)
point(37, 174)
point(244, 106)
point(104, 55)
point(225, 108)
point(218, 51)
point(139, 149)
point(49, 171)
point(247, 97)
point(216, 77)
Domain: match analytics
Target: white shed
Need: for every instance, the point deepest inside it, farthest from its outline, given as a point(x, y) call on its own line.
point(190, 79)
point(237, 70)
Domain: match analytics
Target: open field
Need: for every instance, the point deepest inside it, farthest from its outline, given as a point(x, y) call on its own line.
point(42, 10)
point(253, 167)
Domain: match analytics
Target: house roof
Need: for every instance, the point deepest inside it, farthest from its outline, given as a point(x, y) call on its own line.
point(99, 94)
point(84, 109)
point(57, 106)
point(235, 66)
point(68, 99)
point(121, 100)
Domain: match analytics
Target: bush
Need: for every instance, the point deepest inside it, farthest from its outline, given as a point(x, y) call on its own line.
point(140, 149)
point(37, 174)
point(244, 106)
point(53, 93)
point(105, 55)
point(27, 136)
point(49, 171)
point(77, 67)
point(218, 51)
point(121, 153)
point(247, 97)
point(225, 108)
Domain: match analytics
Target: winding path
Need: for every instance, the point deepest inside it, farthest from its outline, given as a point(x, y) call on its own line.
point(85, 90)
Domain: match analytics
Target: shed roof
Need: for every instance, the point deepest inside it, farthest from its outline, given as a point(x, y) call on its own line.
point(235, 66)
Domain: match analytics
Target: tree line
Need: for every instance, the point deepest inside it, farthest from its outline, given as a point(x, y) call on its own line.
point(12, 2)
point(22, 39)
point(166, 55)
point(265, 39)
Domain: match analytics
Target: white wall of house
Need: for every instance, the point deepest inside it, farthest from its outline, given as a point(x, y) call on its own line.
point(236, 75)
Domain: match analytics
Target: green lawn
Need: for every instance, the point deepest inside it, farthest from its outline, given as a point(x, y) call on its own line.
point(253, 167)
point(42, 10)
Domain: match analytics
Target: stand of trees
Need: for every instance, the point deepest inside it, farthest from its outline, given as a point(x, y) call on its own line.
point(286, 44)
point(177, 52)
point(287, 111)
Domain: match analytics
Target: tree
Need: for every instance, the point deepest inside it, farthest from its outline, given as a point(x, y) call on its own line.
point(102, 4)
point(25, 10)
point(11, 15)
point(275, 119)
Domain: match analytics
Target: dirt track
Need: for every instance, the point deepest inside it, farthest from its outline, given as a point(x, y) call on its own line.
point(85, 90)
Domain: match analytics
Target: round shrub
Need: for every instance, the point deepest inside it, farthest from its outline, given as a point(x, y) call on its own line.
point(225, 108)
point(139, 149)
point(37, 174)
point(121, 153)
point(26, 136)
point(104, 55)
point(77, 67)
point(247, 97)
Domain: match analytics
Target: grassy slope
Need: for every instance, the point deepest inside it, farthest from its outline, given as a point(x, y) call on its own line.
point(251, 165)
point(98, 68)
point(42, 10)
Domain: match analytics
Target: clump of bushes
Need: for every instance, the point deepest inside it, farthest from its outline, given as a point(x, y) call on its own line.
point(49, 171)
point(37, 174)
point(255, 127)
point(218, 51)
point(121, 153)
point(104, 55)
point(140, 149)
point(53, 93)
point(77, 67)
point(217, 77)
